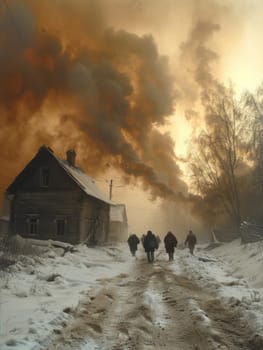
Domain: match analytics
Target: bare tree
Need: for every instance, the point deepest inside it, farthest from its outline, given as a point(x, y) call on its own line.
point(218, 153)
point(253, 104)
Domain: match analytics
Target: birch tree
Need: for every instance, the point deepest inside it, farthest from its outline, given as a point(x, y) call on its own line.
point(218, 153)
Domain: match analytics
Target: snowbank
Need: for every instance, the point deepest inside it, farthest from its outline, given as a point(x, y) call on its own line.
point(39, 293)
point(232, 273)
point(244, 260)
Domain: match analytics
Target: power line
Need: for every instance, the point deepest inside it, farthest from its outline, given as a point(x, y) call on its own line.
point(111, 188)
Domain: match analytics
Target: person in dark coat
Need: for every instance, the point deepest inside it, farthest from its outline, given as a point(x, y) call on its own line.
point(133, 241)
point(170, 242)
point(150, 244)
point(191, 241)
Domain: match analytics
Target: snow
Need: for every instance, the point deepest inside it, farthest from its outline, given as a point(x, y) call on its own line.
point(154, 301)
point(37, 289)
point(232, 273)
point(118, 213)
point(31, 308)
point(84, 181)
point(90, 345)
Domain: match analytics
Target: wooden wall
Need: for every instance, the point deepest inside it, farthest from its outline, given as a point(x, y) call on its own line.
point(61, 199)
point(58, 179)
point(48, 207)
point(94, 219)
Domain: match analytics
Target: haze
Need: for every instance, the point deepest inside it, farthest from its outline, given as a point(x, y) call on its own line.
point(121, 82)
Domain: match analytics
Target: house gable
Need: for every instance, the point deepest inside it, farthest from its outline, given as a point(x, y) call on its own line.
point(55, 199)
point(42, 173)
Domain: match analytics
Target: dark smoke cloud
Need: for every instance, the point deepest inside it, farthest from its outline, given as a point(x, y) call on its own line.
point(201, 60)
point(69, 79)
point(110, 86)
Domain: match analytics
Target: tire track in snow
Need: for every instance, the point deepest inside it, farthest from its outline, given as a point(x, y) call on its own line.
point(204, 319)
point(152, 308)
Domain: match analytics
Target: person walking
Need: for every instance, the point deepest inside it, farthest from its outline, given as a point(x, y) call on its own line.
point(170, 242)
point(150, 244)
point(133, 241)
point(191, 241)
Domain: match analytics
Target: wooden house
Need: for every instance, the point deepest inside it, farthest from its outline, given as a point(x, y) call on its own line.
point(54, 199)
point(118, 230)
point(4, 225)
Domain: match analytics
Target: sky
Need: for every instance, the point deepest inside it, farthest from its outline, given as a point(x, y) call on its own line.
point(120, 81)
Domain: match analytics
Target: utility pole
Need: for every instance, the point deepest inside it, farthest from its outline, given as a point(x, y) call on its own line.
point(111, 181)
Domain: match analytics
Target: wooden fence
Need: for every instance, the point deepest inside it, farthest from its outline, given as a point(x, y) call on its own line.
point(251, 232)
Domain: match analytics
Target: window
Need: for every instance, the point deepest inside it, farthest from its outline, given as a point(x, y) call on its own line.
point(60, 227)
point(33, 224)
point(44, 177)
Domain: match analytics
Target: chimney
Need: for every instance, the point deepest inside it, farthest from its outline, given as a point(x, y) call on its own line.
point(71, 155)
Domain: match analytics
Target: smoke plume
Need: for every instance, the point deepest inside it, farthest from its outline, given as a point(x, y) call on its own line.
point(111, 87)
point(70, 78)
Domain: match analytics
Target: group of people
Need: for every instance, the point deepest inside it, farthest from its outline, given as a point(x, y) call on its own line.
point(151, 242)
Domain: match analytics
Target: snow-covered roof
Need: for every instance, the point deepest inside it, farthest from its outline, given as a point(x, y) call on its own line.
point(118, 213)
point(84, 181)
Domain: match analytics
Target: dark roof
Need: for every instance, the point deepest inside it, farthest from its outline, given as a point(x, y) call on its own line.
point(82, 180)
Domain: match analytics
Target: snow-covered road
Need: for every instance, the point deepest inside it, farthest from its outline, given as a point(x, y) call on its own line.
point(114, 301)
point(156, 307)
